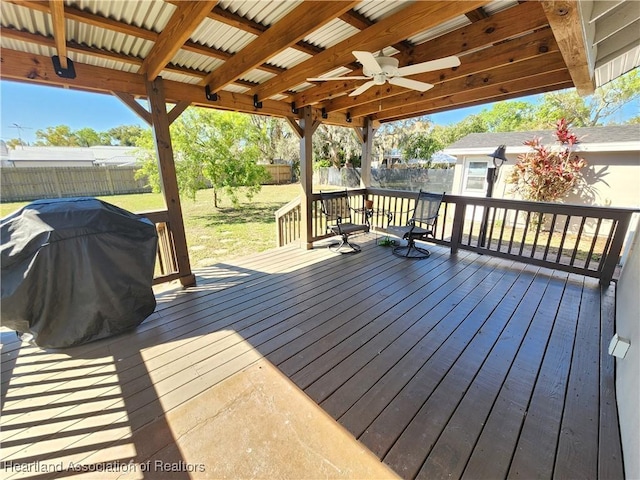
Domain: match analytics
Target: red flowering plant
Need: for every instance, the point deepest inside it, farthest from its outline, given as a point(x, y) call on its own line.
point(548, 174)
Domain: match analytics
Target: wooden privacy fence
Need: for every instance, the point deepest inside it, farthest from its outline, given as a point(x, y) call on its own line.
point(573, 238)
point(32, 183)
point(279, 173)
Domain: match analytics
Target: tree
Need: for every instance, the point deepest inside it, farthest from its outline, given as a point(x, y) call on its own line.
point(87, 137)
point(214, 148)
point(15, 142)
point(338, 145)
point(548, 174)
point(60, 136)
point(591, 111)
point(125, 135)
point(421, 145)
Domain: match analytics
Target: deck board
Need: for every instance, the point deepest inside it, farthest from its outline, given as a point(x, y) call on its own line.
point(460, 366)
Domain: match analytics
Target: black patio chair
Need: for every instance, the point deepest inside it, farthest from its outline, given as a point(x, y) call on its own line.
point(339, 215)
point(420, 226)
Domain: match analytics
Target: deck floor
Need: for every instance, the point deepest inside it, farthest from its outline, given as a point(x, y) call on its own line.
point(460, 366)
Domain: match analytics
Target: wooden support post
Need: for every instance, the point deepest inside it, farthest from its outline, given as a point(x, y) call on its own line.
point(367, 152)
point(167, 169)
point(307, 128)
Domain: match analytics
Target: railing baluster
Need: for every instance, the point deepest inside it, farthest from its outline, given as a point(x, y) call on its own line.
point(605, 250)
point(576, 247)
point(593, 243)
point(513, 230)
point(552, 229)
point(535, 239)
point(567, 221)
point(504, 221)
point(473, 220)
point(493, 219)
point(524, 233)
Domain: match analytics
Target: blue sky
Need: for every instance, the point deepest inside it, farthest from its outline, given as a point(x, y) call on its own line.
point(35, 107)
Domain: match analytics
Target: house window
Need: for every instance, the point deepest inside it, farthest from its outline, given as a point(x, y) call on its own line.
point(476, 176)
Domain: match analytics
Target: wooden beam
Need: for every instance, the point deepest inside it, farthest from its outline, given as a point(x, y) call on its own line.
point(566, 23)
point(167, 169)
point(496, 29)
point(88, 18)
point(306, 176)
point(183, 22)
point(297, 129)
point(72, 13)
point(177, 110)
point(305, 18)
point(246, 25)
point(105, 54)
point(367, 153)
point(59, 30)
point(361, 22)
point(130, 101)
point(545, 82)
point(521, 49)
point(409, 21)
point(551, 62)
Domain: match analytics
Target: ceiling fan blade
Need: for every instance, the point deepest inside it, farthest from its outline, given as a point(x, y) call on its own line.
point(412, 84)
point(322, 79)
point(446, 62)
point(362, 88)
point(368, 61)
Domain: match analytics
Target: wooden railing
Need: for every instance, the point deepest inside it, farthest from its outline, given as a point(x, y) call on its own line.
point(166, 262)
point(574, 238)
point(288, 223)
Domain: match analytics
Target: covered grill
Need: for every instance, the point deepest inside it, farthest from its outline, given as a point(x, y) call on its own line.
point(76, 270)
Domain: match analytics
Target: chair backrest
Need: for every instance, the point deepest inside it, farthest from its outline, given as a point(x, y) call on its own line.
point(427, 207)
point(336, 205)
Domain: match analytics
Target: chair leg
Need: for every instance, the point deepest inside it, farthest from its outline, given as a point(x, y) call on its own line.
point(411, 250)
point(344, 242)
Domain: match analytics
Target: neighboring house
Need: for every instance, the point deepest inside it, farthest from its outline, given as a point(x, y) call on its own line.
point(71, 156)
point(612, 154)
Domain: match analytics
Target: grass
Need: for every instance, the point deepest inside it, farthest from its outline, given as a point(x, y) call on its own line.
point(214, 234)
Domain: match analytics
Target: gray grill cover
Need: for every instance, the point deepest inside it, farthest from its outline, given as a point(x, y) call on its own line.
point(75, 270)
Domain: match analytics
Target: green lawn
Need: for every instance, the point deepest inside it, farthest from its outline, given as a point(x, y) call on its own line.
point(215, 234)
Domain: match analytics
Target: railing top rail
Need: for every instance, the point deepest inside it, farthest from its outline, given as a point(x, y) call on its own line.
point(350, 192)
point(156, 216)
point(560, 208)
point(285, 208)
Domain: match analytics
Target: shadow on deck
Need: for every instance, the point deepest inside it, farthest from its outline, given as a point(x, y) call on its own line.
point(451, 367)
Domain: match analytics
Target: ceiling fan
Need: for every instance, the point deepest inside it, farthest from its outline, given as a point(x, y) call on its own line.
point(380, 69)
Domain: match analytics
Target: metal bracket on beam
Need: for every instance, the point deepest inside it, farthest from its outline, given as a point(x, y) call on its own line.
point(256, 103)
point(324, 113)
point(211, 96)
point(294, 110)
point(69, 72)
point(348, 118)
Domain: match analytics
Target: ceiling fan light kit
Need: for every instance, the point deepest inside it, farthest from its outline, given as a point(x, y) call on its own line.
point(381, 69)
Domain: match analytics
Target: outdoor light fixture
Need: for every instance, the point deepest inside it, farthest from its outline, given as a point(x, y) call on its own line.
point(492, 176)
point(492, 172)
point(499, 155)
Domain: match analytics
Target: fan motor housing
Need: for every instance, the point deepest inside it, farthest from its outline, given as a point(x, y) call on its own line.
point(388, 65)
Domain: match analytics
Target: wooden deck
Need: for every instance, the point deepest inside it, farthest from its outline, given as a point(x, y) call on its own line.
point(460, 366)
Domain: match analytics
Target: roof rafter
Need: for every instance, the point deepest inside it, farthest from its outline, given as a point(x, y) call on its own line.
point(492, 30)
point(565, 21)
point(511, 52)
point(305, 18)
point(105, 54)
point(548, 62)
point(59, 30)
point(183, 22)
point(37, 69)
point(409, 21)
point(545, 82)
